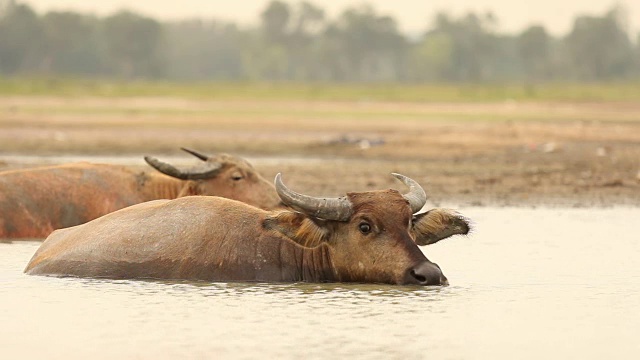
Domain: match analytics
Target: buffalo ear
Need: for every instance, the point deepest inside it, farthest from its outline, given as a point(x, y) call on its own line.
point(437, 224)
point(300, 228)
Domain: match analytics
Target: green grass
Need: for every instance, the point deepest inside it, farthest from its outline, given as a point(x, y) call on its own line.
point(560, 92)
point(191, 117)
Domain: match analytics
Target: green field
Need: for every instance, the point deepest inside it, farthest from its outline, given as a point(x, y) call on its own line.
point(560, 92)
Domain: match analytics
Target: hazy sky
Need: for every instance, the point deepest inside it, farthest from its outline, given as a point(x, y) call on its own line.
point(413, 15)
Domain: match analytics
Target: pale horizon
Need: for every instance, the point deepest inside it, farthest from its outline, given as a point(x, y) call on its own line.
point(413, 16)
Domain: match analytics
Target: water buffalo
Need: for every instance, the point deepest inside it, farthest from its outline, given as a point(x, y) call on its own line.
point(363, 237)
point(34, 202)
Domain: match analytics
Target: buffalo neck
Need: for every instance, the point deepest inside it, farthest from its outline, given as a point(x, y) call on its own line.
point(306, 264)
point(155, 186)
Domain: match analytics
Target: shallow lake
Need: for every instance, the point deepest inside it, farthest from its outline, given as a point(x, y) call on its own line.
point(527, 284)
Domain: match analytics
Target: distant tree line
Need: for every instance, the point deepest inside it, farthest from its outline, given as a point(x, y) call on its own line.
point(298, 42)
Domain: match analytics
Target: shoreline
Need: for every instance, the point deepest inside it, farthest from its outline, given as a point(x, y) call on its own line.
point(565, 154)
point(304, 173)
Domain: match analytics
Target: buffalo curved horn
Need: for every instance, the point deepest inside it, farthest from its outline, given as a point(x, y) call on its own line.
point(416, 195)
point(204, 171)
point(195, 153)
point(338, 209)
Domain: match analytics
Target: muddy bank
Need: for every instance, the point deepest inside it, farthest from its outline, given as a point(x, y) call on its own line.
point(528, 154)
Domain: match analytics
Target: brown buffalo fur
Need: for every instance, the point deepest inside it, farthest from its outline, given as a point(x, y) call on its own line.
point(190, 189)
point(34, 202)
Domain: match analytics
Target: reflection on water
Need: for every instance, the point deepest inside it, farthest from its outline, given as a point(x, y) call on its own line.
point(529, 283)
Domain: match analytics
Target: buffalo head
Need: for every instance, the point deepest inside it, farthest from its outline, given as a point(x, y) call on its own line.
point(222, 175)
point(369, 234)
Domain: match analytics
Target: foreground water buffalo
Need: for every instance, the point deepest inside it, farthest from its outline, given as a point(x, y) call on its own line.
point(363, 237)
point(34, 202)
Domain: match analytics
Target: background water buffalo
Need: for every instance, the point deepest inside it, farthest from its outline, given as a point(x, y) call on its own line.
point(363, 237)
point(34, 202)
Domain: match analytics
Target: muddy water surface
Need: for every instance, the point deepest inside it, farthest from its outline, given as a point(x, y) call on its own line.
point(528, 284)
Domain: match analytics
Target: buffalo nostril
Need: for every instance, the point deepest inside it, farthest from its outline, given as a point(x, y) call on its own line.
point(421, 278)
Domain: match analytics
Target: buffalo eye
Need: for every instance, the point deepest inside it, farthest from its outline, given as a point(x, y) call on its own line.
point(364, 228)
